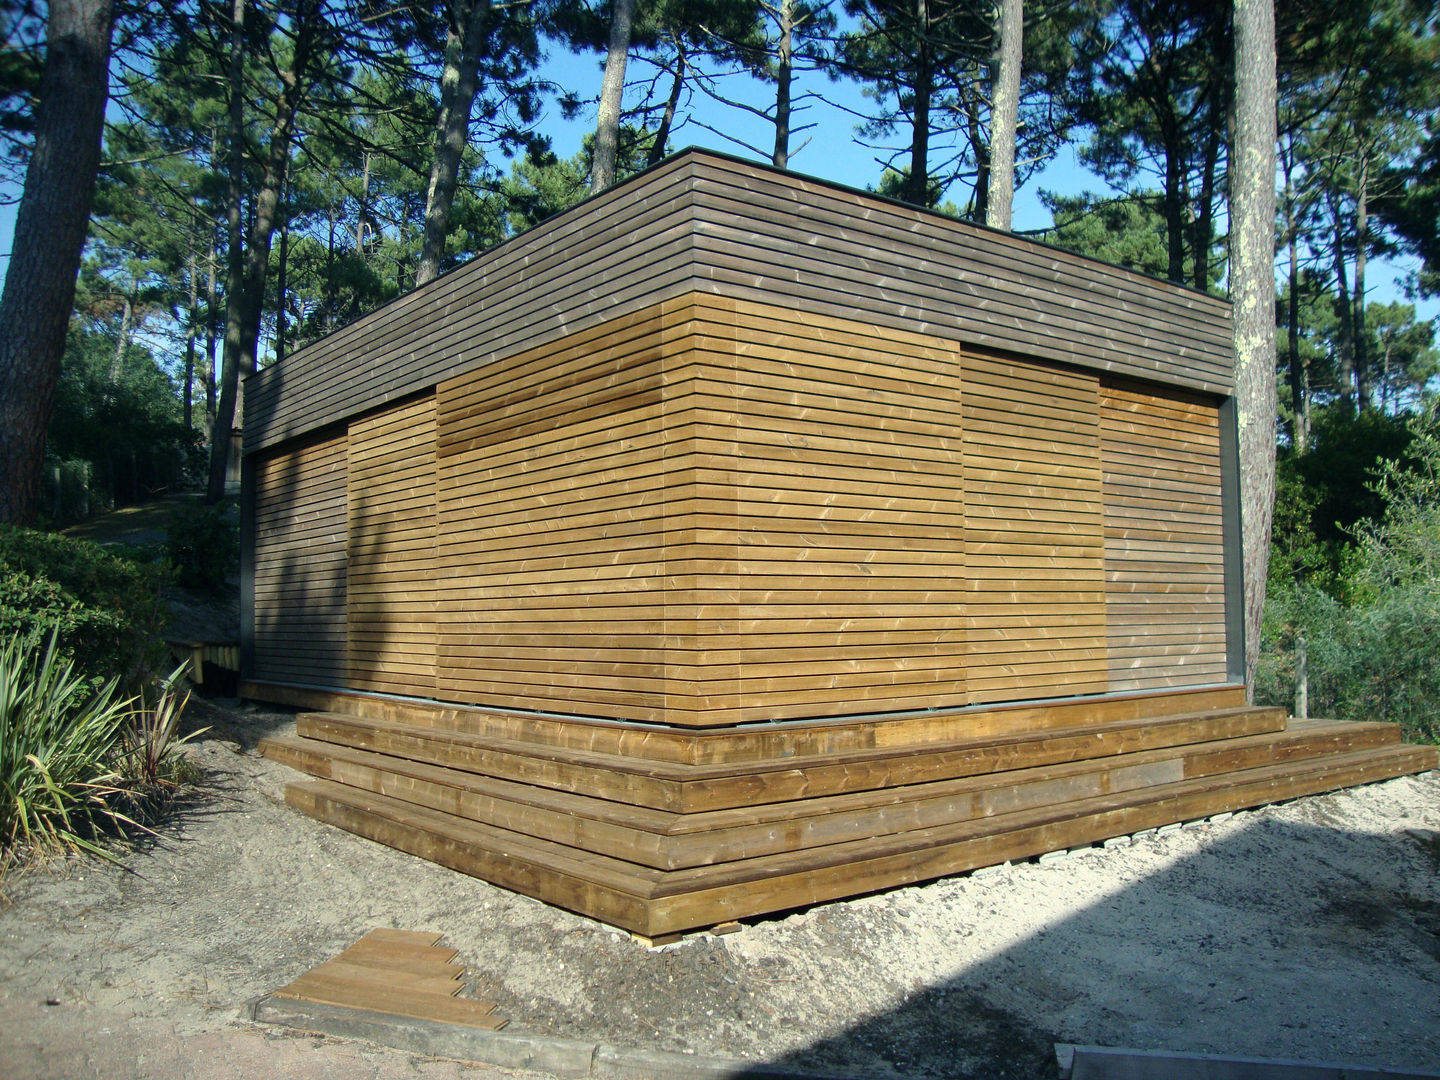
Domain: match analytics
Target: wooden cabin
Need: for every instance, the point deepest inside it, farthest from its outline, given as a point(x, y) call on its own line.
point(735, 541)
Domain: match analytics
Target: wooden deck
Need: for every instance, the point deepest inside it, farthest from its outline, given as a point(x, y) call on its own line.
point(661, 831)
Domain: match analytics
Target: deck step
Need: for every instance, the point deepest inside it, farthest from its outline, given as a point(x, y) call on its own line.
point(668, 840)
point(653, 902)
point(684, 788)
point(761, 741)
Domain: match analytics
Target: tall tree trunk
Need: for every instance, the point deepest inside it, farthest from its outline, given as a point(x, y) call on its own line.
point(1174, 209)
point(459, 83)
point(50, 225)
point(1204, 232)
point(235, 262)
point(362, 212)
point(1362, 247)
point(784, 79)
point(1004, 113)
point(1299, 371)
point(1344, 312)
point(192, 331)
point(980, 144)
point(122, 339)
point(918, 188)
point(212, 336)
point(331, 289)
point(281, 287)
point(667, 118)
point(1220, 96)
point(245, 294)
point(1252, 293)
point(612, 87)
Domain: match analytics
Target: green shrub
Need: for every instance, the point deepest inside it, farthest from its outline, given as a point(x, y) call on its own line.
point(1376, 658)
point(1372, 632)
point(106, 611)
point(59, 737)
point(203, 543)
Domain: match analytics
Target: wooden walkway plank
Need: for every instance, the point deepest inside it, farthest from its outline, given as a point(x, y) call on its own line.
point(398, 972)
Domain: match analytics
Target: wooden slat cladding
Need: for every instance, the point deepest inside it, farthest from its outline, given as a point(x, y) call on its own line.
point(834, 447)
point(765, 234)
point(561, 476)
point(716, 511)
point(1034, 578)
point(704, 222)
point(1164, 560)
point(299, 570)
point(391, 546)
point(620, 252)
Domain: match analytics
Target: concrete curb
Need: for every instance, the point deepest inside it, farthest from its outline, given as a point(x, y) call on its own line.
point(1118, 1063)
point(579, 1059)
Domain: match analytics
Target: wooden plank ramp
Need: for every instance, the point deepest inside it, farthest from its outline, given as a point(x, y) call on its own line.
point(685, 839)
point(400, 973)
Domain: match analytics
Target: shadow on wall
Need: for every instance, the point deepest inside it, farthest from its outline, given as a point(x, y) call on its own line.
point(300, 577)
point(1279, 940)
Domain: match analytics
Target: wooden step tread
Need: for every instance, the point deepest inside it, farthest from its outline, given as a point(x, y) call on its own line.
point(588, 884)
point(653, 902)
point(600, 869)
point(688, 789)
point(753, 741)
point(1252, 786)
point(1257, 719)
point(669, 841)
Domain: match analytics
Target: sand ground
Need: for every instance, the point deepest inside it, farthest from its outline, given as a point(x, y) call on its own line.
point(1309, 930)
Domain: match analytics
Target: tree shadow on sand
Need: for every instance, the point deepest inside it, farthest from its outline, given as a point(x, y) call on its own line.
point(1315, 958)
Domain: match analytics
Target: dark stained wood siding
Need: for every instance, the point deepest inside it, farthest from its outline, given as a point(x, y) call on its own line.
point(620, 252)
point(705, 222)
point(391, 548)
point(1164, 556)
point(764, 234)
point(300, 573)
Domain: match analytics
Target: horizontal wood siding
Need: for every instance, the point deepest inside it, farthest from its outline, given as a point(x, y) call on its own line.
point(558, 476)
point(620, 252)
point(704, 222)
point(773, 236)
point(1164, 563)
point(300, 573)
point(391, 545)
point(1034, 573)
point(834, 448)
point(716, 511)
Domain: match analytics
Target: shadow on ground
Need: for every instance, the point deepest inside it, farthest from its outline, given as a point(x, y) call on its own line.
point(1205, 956)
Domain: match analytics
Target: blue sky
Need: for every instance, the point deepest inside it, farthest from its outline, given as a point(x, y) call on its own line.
point(833, 153)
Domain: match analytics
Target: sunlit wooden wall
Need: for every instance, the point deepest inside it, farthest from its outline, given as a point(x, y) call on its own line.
point(717, 510)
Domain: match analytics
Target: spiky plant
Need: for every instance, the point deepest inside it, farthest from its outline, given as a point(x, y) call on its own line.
point(153, 742)
point(59, 737)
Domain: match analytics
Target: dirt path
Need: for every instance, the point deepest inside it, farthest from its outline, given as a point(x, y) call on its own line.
point(1309, 930)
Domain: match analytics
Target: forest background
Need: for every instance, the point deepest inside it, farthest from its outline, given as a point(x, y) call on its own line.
point(271, 170)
